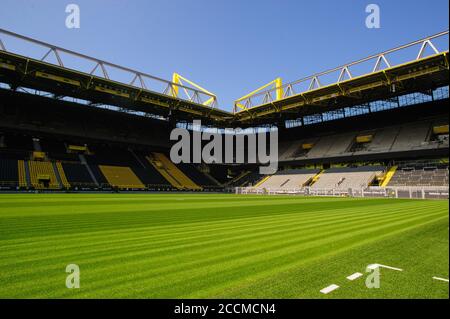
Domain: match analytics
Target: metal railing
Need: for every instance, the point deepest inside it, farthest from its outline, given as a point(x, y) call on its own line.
point(151, 83)
point(372, 64)
point(413, 192)
point(137, 79)
point(8, 184)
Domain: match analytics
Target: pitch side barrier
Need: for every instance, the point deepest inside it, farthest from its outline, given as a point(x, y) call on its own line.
point(417, 192)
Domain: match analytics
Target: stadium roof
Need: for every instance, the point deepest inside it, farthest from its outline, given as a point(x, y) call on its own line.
point(373, 78)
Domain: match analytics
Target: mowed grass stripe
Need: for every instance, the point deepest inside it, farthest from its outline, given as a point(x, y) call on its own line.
point(195, 252)
point(44, 222)
point(247, 264)
point(252, 273)
point(172, 248)
point(420, 251)
point(110, 220)
point(184, 235)
point(140, 243)
point(129, 218)
point(256, 259)
point(108, 272)
point(163, 235)
point(150, 206)
point(65, 207)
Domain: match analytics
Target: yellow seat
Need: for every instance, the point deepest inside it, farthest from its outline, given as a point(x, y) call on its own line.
point(121, 177)
point(38, 170)
point(171, 173)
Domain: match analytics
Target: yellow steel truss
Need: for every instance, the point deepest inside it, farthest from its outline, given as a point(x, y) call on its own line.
point(177, 79)
point(276, 85)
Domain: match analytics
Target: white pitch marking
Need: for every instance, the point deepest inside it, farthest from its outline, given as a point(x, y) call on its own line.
point(440, 279)
point(354, 276)
point(375, 266)
point(329, 289)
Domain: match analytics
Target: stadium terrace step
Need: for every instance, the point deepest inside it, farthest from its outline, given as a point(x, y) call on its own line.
point(238, 178)
point(415, 175)
point(43, 175)
point(387, 178)
point(262, 181)
point(26, 178)
point(62, 176)
point(121, 177)
point(161, 170)
point(288, 179)
point(78, 175)
point(10, 171)
point(58, 176)
point(173, 175)
point(88, 168)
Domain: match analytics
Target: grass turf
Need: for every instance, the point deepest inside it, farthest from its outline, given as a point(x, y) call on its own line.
point(220, 246)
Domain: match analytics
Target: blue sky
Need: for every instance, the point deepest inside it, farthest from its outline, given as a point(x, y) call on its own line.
point(229, 47)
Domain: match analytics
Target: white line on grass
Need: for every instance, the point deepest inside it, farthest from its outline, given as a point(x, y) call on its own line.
point(375, 266)
point(329, 289)
point(440, 279)
point(354, 276)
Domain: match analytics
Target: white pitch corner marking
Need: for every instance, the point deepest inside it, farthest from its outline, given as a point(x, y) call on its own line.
point(375, 266)
point(354, 276)
point(440, 279)
point(329, 289)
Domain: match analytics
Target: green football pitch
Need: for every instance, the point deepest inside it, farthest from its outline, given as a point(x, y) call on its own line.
point(220, 246)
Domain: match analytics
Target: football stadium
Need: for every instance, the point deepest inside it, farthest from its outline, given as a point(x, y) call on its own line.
point(357, 207)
